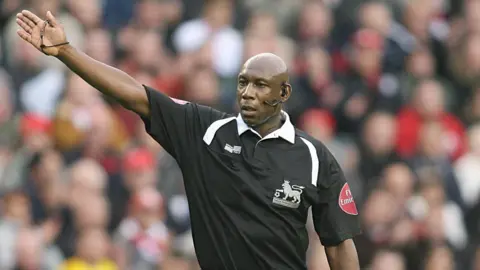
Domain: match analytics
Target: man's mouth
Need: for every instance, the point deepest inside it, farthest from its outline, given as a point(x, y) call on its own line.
point(247, 108)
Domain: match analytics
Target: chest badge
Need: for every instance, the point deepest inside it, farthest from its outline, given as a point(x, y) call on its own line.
point(289, 195)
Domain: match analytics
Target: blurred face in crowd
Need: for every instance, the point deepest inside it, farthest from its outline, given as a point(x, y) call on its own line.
point(41, 7)
point(379, 134)
point(49, 168)
point(99, 45)
point(88, 12)
point(218, 13)
point(148, 50)
point(472, 55)
point(16, 207)
point(255, 45)
point(262, 25)
point(367, 52)
point(376, 16)
point(476, 262)
point(203, 87)
point(473, 108)
point(315, 21)
point(429, 99)
point(440, 258)
point(418, 15)
point(432, 140)
point(434, 228)
point(92, 212)
point(93, 245)
point(29, 249)
point(99, 136)
point(6, 106)
point(380, 209)
point(53, 195)
point(318, 65)
point(145, 140)
point(86, 177)
point(474, 139)
point(319, 124)
point(139, 166)
point(151, 14)
point(398, 181)
point(80, 93)
point(421, 64)
point(388, 260)
point(433, 193)
point(147, 206)
point(472, 15)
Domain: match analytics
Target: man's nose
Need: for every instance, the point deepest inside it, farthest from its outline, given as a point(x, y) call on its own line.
point(249, 92)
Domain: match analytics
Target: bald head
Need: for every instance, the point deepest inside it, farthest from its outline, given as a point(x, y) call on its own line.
point(269, 65)
point(262, 88)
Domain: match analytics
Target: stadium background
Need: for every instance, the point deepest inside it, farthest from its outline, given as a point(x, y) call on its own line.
point(391, 87)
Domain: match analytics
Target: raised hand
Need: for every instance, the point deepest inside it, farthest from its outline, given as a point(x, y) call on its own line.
point(47, 36)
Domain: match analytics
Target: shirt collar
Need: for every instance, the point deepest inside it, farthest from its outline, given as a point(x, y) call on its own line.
point(286, 131)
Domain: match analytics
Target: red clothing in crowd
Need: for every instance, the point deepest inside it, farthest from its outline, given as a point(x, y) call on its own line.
point(409, 127)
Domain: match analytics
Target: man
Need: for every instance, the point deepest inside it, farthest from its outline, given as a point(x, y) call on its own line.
point(251, 179)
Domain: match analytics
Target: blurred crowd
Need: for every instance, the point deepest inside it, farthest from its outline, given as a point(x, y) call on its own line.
point(392, 88)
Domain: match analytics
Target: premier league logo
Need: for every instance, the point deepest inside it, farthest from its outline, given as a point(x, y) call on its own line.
point(289, 196)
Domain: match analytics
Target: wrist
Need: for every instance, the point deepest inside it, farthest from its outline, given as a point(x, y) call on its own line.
point(63, 49)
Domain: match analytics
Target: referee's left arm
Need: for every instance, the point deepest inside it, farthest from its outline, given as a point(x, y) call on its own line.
point(335, 215)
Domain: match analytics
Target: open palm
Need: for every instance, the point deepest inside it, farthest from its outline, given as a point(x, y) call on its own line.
point(47, 36)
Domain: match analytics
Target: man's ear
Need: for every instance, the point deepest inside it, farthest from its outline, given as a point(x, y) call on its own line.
point(286, 91)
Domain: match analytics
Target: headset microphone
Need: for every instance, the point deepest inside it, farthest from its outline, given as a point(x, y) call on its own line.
point(273, 103)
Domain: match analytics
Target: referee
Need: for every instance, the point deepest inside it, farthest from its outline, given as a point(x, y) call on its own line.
point(250, 179)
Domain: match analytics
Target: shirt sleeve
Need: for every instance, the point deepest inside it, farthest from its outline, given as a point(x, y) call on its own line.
point(177, 125)
point(335, 214)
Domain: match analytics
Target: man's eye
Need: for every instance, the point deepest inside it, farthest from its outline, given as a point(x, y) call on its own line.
point(260, 85)
point(242, 83)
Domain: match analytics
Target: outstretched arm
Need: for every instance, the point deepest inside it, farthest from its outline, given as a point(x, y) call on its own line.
point(343, 256)
point(46, 35)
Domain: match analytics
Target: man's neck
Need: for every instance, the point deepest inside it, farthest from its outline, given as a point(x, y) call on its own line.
point(271, 125)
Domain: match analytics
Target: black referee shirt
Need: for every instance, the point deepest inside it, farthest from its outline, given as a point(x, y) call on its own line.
point(249, 196)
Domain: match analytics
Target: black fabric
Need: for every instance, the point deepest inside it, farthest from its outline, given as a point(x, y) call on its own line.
point(239, 186)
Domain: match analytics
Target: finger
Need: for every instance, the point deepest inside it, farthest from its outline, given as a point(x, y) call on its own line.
point(24, 26)
point(32, 16)
point(52, 19)
point(25, 36)
point(26, 20)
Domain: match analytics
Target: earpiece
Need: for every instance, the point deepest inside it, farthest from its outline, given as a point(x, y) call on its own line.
point(284, 90)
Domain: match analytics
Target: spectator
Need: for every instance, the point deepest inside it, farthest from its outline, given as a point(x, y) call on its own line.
point(91, 251)
point(15, 216)
point(33, 254)
point(428, 104)
point(440, 258)
point(143, 233)
point(377, 146)
point(388, 260)
point(216, 22)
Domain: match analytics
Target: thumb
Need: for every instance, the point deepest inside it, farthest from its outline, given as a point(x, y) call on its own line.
point(52, 19)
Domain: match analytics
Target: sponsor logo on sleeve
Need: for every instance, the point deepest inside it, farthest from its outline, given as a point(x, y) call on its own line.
point(346, 202)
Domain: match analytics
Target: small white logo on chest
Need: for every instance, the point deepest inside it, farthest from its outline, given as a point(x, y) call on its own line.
point(289, 196)
point(233, 149)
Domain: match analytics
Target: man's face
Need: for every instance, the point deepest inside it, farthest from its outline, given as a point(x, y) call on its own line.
point(255, 87)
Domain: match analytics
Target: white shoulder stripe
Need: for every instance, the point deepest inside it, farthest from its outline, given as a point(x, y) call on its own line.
point(314, 156)
point(213, 128)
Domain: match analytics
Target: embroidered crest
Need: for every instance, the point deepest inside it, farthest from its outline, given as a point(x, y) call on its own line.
point(289, 196)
